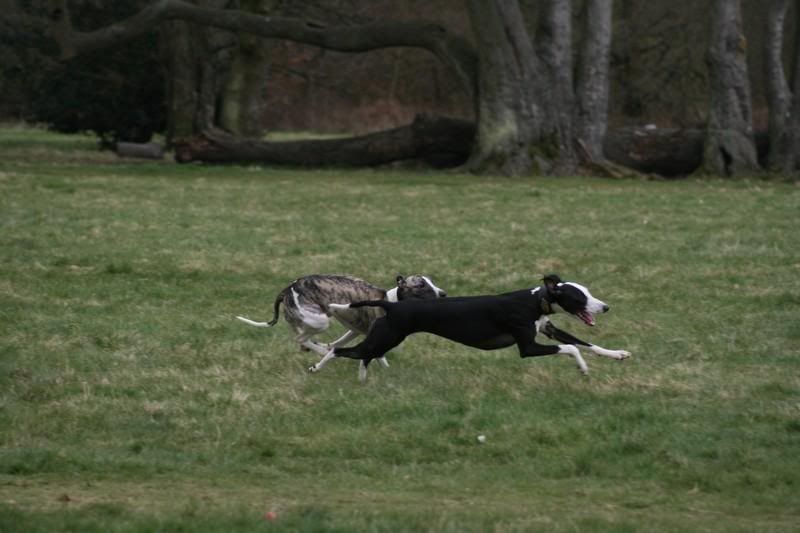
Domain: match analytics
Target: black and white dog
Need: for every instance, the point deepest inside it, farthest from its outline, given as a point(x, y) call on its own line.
point(306, 302)
point(485, 322)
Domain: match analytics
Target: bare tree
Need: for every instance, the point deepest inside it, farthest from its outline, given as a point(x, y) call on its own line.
point(729, 146)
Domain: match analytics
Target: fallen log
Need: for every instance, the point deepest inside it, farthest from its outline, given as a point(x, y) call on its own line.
point(668, 152)
point(440, 142)
point(446, 142)
point(140, 150)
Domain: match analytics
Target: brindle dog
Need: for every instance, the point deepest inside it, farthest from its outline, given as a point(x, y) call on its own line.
point(306, 302)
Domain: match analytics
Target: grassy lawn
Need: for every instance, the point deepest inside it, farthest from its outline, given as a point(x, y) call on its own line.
point(131, 399)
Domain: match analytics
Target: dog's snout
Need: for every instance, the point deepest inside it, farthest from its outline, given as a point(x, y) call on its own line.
point(605, 308)
point(442, 294)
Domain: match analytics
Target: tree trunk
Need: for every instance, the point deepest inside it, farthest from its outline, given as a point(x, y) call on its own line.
point(778, 95)
point(525, 93)
point(554, 90)
point(592, 83)
point(507, 113)
point(242, 98)
point(180, 61)
point(729, 147)
point(785, 156)
point(441, 142)
point(198, 59)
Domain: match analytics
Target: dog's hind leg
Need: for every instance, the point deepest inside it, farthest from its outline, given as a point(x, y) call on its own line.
point(362, 369)
point(304, 339)
point(344, 339)
point(322, 362)
point(379, 341)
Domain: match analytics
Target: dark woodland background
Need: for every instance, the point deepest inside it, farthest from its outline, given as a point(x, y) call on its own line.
point(658, 70)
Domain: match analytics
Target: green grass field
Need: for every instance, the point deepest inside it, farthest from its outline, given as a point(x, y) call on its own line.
point(132, 400)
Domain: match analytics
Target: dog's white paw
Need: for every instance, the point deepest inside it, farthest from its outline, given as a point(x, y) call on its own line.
point(613, 354)
point(313, 368)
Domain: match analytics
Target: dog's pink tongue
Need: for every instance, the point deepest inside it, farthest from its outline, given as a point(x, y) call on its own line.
point(587, 317)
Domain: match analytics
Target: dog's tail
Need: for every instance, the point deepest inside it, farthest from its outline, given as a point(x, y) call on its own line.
point(368, 303)
point(276, 314)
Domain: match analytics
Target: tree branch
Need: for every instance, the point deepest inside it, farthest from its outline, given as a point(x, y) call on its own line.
point(456, 52)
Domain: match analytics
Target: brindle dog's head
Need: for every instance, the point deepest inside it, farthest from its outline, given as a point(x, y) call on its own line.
point(417, 288)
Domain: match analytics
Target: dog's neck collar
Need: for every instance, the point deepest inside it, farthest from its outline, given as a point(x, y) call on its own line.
point(547, 305)
point(391, 294)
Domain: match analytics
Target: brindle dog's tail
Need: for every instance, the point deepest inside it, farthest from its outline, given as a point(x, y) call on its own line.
point(275, 313)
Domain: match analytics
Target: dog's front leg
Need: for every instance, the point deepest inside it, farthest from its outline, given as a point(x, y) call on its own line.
point(572, 351)
point(562, 336)
point(528, 347)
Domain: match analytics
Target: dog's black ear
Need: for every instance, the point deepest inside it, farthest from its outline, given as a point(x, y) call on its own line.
point(401, 281)
point(551, 282)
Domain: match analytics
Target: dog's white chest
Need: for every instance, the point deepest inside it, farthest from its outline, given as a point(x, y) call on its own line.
point(541, 323)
